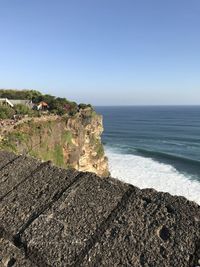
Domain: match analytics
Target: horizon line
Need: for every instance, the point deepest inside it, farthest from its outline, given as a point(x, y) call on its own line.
point(150, 105)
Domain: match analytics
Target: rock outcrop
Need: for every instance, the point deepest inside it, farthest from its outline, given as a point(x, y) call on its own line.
point(69, 142)
point(56, 217)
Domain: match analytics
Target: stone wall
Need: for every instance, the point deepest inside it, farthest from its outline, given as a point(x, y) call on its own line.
point(56, 217)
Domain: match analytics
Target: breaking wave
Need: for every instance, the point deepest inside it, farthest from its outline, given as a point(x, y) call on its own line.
point(145, 172)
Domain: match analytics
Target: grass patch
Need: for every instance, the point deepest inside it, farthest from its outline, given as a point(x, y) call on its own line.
point(100, 150)
point(58, 155)
point(12, 140)
point(98, 147)
point(55, 154)
point(67, 137)
point(93, 114)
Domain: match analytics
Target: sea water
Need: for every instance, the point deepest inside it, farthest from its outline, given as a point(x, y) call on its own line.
point(155, 147)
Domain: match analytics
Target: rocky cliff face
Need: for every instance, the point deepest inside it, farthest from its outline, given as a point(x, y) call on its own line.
point(69, 142)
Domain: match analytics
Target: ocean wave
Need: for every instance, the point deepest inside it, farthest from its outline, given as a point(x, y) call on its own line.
point(160, 155)
point(145, 172)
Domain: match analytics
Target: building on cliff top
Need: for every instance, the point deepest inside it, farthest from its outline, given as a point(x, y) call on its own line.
point(6, 102)
point(14, 102)
point(41, 106)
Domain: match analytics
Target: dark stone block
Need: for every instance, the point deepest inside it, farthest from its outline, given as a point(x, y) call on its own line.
point(15, 173)
point(151, 236)
point(72, 221)
point(36, 194)
point(5, 158)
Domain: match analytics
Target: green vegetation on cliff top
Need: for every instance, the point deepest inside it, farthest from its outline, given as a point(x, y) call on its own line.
point(56, 105)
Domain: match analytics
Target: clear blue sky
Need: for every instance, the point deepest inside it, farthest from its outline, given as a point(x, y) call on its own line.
point(103, 51)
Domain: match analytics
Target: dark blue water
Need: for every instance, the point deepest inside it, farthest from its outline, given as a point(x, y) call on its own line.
point(167, 134)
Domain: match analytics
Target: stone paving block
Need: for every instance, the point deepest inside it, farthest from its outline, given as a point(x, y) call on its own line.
point(33, 196)
point(11, 256)
point(155, 229)
point(15, 172)
point(5, 158)
point(73, 221)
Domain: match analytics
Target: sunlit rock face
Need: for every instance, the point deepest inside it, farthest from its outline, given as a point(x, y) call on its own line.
point(69, 142)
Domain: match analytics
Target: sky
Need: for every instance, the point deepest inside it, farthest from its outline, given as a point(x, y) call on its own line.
point(104, 52)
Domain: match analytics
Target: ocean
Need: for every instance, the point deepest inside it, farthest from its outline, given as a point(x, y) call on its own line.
point(154, 147)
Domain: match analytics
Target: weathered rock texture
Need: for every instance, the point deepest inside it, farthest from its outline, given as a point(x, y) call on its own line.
point(69, 142)
point(56, 217)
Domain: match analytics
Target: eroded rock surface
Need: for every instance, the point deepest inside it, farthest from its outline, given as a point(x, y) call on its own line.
point(54, 217)
point(69, 141)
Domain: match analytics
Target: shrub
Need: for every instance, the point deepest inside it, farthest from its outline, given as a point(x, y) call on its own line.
point(22, 109)
point(84, 106)
point(6, 112)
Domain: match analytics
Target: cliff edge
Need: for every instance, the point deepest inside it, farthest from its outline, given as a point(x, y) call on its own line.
point(56, 217)
point(67, 141)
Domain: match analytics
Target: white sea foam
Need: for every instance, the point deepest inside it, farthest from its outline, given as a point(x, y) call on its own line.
point(147, 173)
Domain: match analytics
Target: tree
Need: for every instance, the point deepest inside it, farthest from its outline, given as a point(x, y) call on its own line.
point(19, 94)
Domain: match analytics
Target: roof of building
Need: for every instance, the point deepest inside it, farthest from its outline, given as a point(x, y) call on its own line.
point(20, 101)
point(55, 217)
point(13, 102)
point(7, 101)
point(43, 103)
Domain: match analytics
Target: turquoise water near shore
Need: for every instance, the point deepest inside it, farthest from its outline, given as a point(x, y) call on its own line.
point(155, 146)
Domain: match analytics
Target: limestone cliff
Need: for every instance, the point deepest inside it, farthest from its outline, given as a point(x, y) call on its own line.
point(69, 142)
